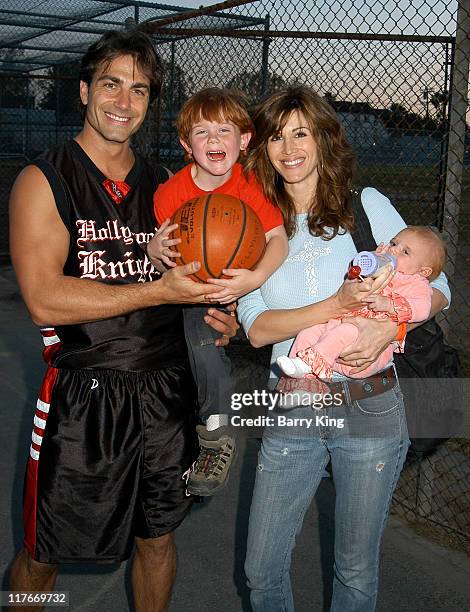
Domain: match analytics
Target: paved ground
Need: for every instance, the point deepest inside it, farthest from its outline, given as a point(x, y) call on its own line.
point(416, 574)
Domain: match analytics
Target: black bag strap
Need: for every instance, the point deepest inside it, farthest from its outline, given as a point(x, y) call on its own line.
point(58, 188)
point(362, 236)
point(163, 173)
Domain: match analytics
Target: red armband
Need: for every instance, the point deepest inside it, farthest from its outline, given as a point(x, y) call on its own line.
point(401, 332)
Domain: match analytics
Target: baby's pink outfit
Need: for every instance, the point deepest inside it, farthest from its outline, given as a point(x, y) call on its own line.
point(321, 345)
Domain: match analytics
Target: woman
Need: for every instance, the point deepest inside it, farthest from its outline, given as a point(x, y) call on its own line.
point(302, 159)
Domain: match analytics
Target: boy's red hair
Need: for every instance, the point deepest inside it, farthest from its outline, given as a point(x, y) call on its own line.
point(214, 104)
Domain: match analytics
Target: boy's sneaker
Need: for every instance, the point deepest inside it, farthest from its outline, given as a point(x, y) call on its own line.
point(216, 455)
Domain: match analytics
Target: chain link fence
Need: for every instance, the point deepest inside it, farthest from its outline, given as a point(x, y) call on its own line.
point(433, 494)
point(396, 74)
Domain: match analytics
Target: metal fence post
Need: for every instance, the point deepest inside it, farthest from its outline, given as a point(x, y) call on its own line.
point(57, 86)
point(264, 81)
point(171, 88)
point(28, 126)
point(456, 146)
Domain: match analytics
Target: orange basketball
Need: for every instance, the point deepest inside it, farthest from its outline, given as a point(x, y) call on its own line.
point(221, 232)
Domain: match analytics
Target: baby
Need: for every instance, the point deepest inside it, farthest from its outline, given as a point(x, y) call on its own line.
point(420, 257)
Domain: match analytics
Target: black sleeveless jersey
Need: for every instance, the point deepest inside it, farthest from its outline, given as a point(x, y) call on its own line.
point(107, 222)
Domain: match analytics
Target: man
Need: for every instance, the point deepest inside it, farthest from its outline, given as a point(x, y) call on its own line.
point(113, 430)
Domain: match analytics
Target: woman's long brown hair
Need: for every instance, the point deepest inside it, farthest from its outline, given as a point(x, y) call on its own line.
point(330, 207)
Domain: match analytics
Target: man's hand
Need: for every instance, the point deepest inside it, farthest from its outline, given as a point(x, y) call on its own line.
point(224, 323)
point(375, 335)
point(158, 247)
point(178, 288)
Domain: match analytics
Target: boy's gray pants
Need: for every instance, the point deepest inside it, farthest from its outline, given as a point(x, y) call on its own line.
point(211, 368)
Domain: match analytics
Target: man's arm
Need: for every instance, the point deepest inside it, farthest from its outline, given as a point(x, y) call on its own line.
point(39, 244)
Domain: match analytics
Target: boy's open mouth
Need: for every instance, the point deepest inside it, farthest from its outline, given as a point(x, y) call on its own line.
point(216, 155)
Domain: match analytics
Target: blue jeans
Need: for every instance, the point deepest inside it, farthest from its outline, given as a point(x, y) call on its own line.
point(210, 366)
point(367, 455)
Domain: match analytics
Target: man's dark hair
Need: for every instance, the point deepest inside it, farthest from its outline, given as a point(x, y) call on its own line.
point(115, 44)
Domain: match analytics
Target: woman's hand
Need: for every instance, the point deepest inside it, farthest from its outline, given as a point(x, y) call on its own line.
point(158, 247)
point(375, 335)
point(382, 280)
point(353, 293)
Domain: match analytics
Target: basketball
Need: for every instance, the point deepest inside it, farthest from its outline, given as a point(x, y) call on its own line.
point(221, 232)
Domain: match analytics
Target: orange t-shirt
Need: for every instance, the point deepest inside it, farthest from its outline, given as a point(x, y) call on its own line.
point(181, 187)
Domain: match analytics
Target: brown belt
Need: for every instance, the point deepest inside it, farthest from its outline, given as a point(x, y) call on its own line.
point(365, 387)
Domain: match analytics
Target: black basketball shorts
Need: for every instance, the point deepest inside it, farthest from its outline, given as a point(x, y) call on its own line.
point(107, 462)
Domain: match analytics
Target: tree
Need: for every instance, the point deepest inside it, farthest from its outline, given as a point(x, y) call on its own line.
point(439, 101)
point(397, 117)
point(330, 97)
point(61, 93)
point(253, 84)
point(14, 92)
point(176, 88)
point(157, 136)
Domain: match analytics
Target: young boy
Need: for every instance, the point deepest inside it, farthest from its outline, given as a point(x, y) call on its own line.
point(214, 127)
point(420, 257)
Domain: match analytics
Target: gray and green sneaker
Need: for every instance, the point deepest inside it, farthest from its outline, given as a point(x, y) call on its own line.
point(216, 455)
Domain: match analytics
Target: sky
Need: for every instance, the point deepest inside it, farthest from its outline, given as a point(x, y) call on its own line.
point(425, 17)
point(190, 3)
point(381, 73)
